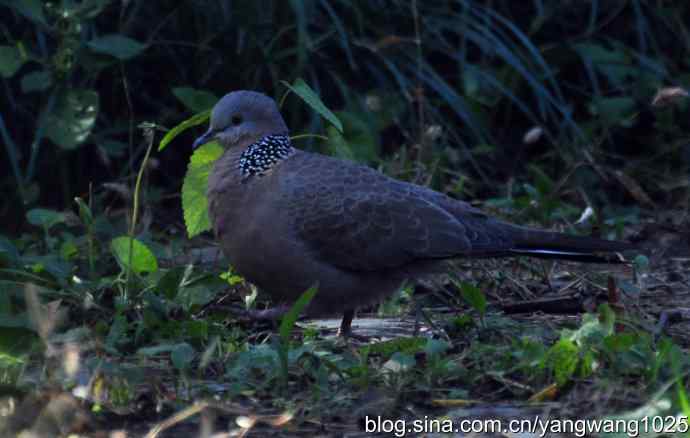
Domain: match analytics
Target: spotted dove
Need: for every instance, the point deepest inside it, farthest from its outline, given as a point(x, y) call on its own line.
point(289, 219)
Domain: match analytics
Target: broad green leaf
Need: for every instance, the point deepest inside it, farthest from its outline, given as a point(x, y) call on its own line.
point(474, 297)
point(613, 110)
point(182, 355)
point(36, 81)
point(594, 328)
point(73, 118)
point(31, 9)
point(194, 201)
point(10, 61)
point(562, 358)
point(143, 259)
point(435, 347)
point(304, 91)
point(45, 218)
point(118, 46)
point(288, 321)
point(400, 362)
point(195, 120)
point(197, 295)
point(195, 100)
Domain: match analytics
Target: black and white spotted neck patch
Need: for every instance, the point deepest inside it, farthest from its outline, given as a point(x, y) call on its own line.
point(261, 156)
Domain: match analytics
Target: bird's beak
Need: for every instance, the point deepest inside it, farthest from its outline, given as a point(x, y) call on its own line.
point(205, 138)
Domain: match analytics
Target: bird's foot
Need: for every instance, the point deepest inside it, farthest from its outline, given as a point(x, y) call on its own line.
point(345, 330)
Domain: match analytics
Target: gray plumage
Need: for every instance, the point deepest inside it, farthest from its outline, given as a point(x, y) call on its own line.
point(287, 219)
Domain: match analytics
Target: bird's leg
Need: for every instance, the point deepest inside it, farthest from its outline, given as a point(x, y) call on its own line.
point(345, 329)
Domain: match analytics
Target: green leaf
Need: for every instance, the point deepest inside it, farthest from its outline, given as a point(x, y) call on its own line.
point(143, 259)
point(45, 218)
point(118, 329)
point(474, 297)
point(68, 250)
point(435, 347)
point(31, 9)
point(197, 295)
point(400, 362)
point(10, 61)
point(195, 120)
point(194, 201)
point(182, 355)
point(289, 319)
point(562, 358)
point(410, 345)
point(338, 145)
point(118, 46)
point(613, 110)
point(156, 350)
point(641, 262)
point(8, 252)
point(300, 88)
point(73, 118)
point(36, 81)
point(361, 136)
point(599, 55)
point(195, 100)
point(84, 212)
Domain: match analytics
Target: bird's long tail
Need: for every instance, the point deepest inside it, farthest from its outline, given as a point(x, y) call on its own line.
point(552, 245)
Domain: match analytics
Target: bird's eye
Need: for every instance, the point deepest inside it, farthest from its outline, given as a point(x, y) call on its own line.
point(236, 119)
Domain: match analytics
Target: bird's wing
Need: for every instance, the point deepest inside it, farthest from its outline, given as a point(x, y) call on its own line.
point(356, 218)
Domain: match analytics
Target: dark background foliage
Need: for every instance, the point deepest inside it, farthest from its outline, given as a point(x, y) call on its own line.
point(483, 72)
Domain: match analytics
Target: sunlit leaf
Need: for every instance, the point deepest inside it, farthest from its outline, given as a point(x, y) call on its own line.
point(562, 358)
point(142, 258)
point(195, 120)
point(194, 201)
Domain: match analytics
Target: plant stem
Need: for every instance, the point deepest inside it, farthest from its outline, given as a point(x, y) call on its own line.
point(148, 133)
point(297, 137)
point(89, 231)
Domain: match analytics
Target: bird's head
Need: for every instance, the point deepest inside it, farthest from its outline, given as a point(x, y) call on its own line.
point(241, 118)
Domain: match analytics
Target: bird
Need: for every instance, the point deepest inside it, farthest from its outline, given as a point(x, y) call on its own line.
point(288, 219)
